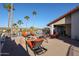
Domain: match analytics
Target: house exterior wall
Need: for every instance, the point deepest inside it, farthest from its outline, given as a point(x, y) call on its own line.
point(68, 25)
point(75, 25)
point(68, 19)
point(68, 29)
point(64, 21)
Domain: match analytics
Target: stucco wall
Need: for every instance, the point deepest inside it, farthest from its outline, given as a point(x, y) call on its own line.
point(75, 25)
point(68, 19)
point(68, 29)
point(68, 25)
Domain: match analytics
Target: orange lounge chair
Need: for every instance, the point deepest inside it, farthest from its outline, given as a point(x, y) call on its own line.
point(36, 46)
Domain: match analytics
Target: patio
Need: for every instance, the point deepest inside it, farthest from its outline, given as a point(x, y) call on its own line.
point(56, 47)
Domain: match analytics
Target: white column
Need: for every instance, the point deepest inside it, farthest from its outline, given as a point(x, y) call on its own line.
point(51, 29)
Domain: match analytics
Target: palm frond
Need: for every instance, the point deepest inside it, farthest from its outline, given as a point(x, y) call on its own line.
point(26, 17)
point(8, 6)
point(20, 22)
point(34, 13)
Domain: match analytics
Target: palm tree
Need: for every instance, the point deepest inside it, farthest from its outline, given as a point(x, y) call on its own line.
point(12, 9)
point(27, 18)
point(8, 7)
point(34, 13)
point(19, 23)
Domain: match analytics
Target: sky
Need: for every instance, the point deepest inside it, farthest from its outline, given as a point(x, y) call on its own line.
point(46, 12)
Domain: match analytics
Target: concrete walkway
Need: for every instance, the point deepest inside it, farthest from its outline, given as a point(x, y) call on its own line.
point(57, 48)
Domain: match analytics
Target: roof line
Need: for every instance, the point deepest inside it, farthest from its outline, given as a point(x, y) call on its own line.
point(68, 13)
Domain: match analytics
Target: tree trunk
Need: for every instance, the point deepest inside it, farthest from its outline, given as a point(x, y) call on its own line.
point(9, 14)
point(11, 18)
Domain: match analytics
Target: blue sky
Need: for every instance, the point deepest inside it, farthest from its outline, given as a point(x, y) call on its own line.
point(45, 13)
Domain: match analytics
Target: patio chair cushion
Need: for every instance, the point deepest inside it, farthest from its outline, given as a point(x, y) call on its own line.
point(29, 42)
point(37, 43)
point(24, 34)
